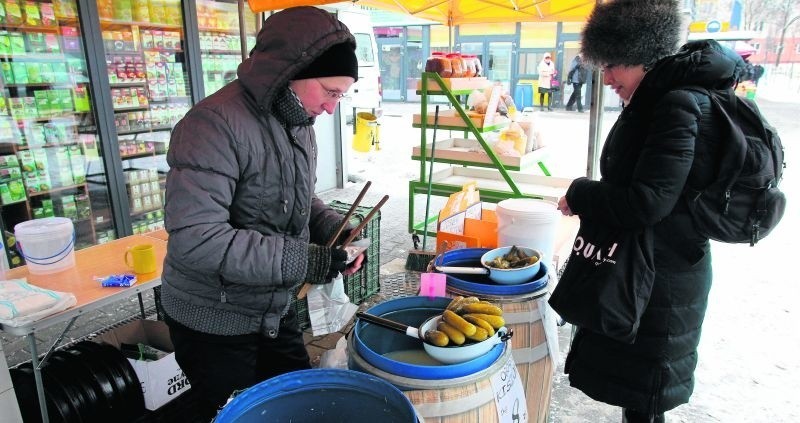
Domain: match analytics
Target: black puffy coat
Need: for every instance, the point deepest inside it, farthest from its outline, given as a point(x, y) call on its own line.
point(663, 140)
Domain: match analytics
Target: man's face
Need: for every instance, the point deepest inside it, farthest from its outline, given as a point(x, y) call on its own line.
point(320, 95)
point(547, 59)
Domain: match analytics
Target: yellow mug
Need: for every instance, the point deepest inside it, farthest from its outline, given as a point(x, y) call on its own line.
point(142, 258)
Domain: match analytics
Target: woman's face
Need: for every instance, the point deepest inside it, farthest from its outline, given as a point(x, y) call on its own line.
point(623, 79)
point(320, 95)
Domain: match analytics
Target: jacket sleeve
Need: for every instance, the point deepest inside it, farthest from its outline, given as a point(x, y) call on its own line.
point(659, 174)
point(323, 221)
point(204, 160)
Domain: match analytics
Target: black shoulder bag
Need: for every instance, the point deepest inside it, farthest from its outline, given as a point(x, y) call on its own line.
point(607, 281)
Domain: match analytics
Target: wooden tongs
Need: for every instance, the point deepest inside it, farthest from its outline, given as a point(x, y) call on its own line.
point(354, 233)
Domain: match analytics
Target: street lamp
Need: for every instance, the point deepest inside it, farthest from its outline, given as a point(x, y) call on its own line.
point(783, 35)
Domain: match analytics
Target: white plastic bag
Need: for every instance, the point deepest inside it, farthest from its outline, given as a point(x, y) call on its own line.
point(329, 308)
point(335, 358)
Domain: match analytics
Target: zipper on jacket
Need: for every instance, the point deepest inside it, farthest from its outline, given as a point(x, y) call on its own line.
point(223, 298)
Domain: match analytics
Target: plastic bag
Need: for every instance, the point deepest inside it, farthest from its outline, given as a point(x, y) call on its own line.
point(337, 357)
point(329, 308)
point(478, 101)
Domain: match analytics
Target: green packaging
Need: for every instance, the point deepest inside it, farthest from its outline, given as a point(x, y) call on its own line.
point(42, 103)
point(16, 190)
point(33, 71)
point(5, 42)
point(46, 73)
point(5, 194)
point(8, 73)
point(47, 205)
point(20, 72)
point(17, 42)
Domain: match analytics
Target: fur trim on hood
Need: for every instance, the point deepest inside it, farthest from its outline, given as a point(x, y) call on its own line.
point(631, 32)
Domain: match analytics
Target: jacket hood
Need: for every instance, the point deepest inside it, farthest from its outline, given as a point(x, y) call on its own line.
point(289, 41)
point(703, 63)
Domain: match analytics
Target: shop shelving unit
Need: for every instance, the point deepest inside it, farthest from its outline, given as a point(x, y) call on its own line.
point(496, 182)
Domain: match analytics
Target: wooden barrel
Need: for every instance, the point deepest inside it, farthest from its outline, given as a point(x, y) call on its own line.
point(452, 393)
point(465, 399)
point(525, 312)
point(523, 316)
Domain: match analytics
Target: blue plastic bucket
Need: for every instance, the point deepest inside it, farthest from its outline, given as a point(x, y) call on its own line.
point(460, 392)
point(319, 395)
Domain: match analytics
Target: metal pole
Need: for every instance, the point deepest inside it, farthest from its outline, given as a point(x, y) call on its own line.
point(595, 122)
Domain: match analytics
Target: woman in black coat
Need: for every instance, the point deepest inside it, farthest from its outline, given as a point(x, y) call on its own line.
point(664, 139)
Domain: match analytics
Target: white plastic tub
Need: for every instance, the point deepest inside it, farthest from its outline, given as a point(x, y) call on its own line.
point(48, 245)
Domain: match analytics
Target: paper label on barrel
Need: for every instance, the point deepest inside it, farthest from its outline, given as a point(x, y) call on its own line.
point(509, 395)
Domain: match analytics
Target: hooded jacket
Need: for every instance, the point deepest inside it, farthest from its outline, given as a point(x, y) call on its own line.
point(663, 140)
point(240, 203)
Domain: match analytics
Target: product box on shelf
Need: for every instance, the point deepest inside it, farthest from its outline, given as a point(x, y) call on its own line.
point(162, 380)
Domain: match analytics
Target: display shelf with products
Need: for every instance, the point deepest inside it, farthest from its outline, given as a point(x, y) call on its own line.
point(149, 82)
point(48, 138)
point(221, 41)
point(495, 181)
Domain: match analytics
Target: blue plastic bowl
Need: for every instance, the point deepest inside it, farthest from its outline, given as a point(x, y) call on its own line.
point(511, 276)
point(481, 284)
point(373, 341)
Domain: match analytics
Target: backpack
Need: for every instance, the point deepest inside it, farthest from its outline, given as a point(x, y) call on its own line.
point(744, 203)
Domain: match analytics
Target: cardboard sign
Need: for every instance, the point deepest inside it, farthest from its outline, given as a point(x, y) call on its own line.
point(509, 395)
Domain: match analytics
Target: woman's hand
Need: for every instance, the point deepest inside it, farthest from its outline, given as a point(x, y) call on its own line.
point(564, 207)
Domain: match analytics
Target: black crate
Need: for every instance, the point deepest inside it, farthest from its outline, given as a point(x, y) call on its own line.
point(364, 283)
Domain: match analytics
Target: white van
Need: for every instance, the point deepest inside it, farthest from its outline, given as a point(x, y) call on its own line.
point(366, 92)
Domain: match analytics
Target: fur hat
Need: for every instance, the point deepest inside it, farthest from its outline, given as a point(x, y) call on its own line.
point(339, 60)
point(631, 32)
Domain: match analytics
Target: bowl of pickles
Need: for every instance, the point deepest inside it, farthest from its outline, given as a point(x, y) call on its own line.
point(512, 265)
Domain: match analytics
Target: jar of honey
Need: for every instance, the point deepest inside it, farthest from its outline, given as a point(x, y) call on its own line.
point(469, 65)
point(440, 64)
point(456, 64)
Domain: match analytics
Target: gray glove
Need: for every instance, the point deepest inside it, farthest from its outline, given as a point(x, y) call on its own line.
point(324, 263)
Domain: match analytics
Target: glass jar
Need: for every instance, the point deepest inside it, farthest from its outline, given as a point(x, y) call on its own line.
point(469, 65)
point(478, 66)
point(440, 64)
point(456, 64)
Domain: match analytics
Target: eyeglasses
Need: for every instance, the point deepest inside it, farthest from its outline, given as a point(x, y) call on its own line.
point(334, 94)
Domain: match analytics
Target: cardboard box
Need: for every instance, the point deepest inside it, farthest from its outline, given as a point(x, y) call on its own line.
point(162, 380)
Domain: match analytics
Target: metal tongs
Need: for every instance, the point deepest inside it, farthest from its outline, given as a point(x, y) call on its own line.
point(354, 233)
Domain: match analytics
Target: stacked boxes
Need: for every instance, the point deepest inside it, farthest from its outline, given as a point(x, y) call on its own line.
point(144, 191)
point(364, 283)
point(12, 189)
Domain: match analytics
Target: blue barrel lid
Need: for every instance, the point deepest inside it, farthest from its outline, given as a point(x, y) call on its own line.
point(307, 389)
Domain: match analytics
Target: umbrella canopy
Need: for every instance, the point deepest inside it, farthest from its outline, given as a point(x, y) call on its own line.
point(457, 12)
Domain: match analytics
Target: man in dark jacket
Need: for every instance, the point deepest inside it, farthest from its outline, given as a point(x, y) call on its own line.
point(577, 77)
point(245, 227)
point(665, 139)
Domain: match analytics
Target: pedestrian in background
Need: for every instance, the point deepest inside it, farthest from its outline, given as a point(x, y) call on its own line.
point(577, 76)
point(666, 138)
point(245, 227)
point(547, 70)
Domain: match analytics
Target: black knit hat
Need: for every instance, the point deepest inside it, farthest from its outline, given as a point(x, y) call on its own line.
point(339, 60)
point(631, 32)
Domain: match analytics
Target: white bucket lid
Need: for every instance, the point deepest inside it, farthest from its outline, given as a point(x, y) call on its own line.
point(528, 207)
point(44, 226)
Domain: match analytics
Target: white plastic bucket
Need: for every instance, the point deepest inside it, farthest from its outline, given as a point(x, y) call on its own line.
point(48, 245)
point(528, 222)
